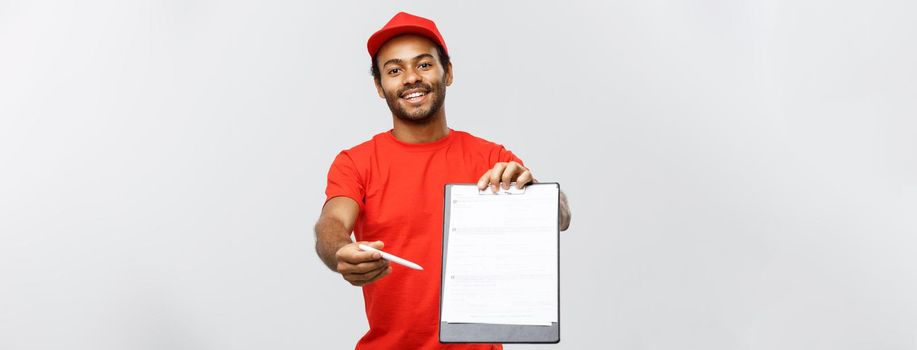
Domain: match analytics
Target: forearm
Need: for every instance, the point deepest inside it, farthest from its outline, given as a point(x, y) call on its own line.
point(564, 212)
point(564, 209)
point(330, 236)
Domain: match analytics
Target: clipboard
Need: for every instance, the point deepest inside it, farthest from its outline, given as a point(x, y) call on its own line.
point(473, 332)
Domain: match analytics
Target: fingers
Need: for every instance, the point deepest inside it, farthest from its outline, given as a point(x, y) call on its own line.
point(482, 182)
point(378, 276)
point(511, 171)
point(495, 175)
point(356, 256)
point(359, 279)
point(352, 254)
point(361, 267)
point(503, 174)
point(376, 244)
point(524, 178)
point(350, 259)
point(365, 272)
point(364, 267)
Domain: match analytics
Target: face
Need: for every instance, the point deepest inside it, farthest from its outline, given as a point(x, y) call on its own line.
point(413, 82)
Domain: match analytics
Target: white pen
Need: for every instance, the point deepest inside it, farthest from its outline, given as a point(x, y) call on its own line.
point(390, 257)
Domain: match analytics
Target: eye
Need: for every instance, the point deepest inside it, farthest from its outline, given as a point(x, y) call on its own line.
point(426, 65)
point(394, 70)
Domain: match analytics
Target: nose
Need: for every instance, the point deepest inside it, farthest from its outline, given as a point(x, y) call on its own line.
point(411, 77)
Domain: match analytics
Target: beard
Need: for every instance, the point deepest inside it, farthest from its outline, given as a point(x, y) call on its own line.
point(419, 115)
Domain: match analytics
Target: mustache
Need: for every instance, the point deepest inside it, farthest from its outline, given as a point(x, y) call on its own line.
point(425, 87)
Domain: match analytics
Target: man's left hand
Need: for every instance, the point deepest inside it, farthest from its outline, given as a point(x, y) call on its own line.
point(504, 173)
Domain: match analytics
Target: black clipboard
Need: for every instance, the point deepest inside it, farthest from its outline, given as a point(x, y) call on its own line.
point(495, 333)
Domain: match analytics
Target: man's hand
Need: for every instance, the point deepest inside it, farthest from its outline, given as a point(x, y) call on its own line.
point(360, 267)
point(503, 174)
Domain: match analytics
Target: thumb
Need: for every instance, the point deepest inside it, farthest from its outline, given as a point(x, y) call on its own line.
point(377, 244)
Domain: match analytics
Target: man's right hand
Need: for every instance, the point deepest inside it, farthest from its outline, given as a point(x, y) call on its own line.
point(360, 267)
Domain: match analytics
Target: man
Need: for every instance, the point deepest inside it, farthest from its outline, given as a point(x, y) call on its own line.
point(388, 191)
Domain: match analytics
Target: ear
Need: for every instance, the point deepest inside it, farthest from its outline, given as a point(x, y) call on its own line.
point(378, 85)
point(449, 75)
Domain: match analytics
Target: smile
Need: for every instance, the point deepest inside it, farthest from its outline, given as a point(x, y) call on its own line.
point(414, 96)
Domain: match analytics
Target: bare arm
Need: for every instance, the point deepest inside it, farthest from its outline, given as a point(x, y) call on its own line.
point(332, 231)
point(564, 212)
point(339, 252)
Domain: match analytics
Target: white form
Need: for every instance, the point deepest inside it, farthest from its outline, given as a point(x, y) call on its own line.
point(501, 265)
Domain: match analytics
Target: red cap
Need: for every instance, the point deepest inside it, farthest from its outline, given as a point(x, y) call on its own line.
point(405, 23)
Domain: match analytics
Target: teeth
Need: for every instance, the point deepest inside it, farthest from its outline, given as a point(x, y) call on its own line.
point(413, 95)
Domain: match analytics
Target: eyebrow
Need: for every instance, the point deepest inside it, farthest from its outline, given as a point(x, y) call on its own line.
point(399, 61)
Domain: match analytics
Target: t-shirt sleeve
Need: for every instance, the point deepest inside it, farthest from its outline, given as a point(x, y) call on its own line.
point(501, 154)
point(344, 179)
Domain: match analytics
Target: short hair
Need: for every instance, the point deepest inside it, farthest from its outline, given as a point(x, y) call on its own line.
point(443, 61)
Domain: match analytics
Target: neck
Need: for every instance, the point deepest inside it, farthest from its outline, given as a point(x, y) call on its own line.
point(433, 129)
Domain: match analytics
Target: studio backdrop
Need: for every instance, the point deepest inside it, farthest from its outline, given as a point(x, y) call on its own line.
point(742, 174)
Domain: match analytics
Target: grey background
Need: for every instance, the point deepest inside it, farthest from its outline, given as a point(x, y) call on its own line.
point(742, 173)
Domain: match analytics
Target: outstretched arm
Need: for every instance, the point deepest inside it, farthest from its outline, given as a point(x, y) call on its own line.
point(564, 212)
point(339, 252)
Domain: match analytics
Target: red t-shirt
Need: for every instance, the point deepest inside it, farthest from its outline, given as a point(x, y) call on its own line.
point(399, 187)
